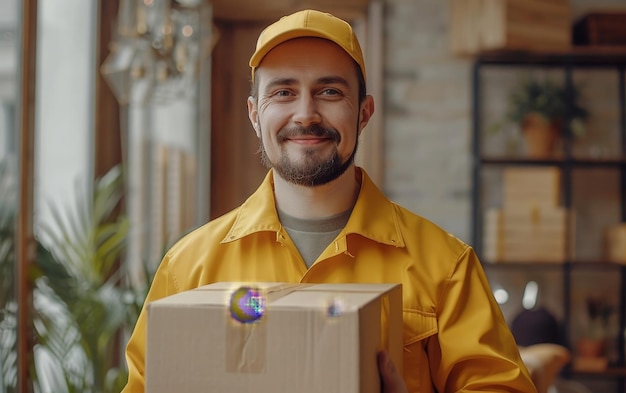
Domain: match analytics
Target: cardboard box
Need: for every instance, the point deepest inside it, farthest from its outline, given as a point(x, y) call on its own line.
point(601, 28)
point(484, 25)
point(616, 243)
point(532, 235)
point(590, 364)
point(531, 187)
point(298, 345)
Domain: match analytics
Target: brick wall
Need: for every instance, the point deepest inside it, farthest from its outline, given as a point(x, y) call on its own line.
point(427, 115)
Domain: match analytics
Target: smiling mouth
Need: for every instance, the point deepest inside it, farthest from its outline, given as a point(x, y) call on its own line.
point(309, 140)
point(309, 135)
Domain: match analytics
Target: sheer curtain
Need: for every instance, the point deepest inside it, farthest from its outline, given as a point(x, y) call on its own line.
point(9, 53)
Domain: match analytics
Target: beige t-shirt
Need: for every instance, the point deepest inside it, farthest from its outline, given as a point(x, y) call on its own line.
point(311, 237)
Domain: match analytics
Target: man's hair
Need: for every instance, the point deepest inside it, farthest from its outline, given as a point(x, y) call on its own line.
point(254, 91)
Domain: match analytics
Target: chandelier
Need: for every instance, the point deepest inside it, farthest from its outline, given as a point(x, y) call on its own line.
point(156, 49)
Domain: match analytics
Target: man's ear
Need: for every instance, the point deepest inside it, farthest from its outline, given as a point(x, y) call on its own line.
point(253, 115)
point(366, 111)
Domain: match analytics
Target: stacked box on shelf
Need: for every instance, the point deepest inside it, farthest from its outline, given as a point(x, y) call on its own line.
point(616, 243)
point(531, 226)
point(535, 235)
point(601, 28)
point(477, 26)
point(525, 187)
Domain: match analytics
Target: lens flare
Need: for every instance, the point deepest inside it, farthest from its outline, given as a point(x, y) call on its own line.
point(334, 307)
point(247, 304)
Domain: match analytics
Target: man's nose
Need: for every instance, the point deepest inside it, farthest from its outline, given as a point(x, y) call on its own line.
point(307, 111)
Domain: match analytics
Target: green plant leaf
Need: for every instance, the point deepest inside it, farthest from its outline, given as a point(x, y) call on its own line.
point(549, 99)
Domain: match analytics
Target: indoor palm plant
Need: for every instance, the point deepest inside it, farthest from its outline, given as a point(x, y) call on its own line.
point(8, 307)
point(8, 304)
point(88, 244)
point(540, 107)
point(80, 294)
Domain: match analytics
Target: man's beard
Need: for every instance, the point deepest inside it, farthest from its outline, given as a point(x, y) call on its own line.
point(312, 171)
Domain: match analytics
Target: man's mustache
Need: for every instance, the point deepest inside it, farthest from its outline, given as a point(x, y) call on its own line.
point(314, 130)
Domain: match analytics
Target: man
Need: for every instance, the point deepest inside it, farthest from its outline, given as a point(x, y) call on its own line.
point(319, 218)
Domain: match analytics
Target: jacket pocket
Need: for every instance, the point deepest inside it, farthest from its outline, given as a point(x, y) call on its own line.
point(418, 325)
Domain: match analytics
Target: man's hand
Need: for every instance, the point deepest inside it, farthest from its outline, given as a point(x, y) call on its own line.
point(391, 379)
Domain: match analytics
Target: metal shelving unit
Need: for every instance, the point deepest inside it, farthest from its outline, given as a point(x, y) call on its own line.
point(577, 58)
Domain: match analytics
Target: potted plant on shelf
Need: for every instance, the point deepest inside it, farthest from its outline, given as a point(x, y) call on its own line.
point(540, 108)
point(593, 343)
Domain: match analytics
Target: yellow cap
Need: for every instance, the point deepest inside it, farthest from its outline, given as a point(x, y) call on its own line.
point(308, 23)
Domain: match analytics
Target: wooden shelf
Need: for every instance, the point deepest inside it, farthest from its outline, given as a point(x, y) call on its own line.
point(270, 10)
point(522, 265)
point(588, 264)
point(609, 372)
point(575, 162)
point(611, 58)
point(603, 56)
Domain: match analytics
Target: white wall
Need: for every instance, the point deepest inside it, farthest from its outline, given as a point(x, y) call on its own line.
point(8, 74)
point(64, 102)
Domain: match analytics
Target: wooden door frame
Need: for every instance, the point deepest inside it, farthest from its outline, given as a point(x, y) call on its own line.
point(25, 248)
point(107, 126)
point(371, 149)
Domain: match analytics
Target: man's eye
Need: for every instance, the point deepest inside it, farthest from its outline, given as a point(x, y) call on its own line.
point(331, 92)
point(282, 93)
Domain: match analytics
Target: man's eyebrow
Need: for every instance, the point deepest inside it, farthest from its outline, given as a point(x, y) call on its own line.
point(325, 80)
point(331, 80)
point(280, 82)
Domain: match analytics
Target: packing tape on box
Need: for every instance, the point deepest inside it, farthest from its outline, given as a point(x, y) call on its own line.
point(246, 341)
point(246, 347)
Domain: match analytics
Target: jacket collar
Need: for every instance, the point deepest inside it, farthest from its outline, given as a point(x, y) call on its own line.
point(374, 216)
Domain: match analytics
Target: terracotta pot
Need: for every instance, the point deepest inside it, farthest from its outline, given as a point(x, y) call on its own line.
point(590, 347)
point(540, 134)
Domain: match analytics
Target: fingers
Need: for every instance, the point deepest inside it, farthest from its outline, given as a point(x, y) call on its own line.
point(391, 379)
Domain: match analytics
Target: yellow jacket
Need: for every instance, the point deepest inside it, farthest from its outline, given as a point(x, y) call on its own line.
point(455, 337)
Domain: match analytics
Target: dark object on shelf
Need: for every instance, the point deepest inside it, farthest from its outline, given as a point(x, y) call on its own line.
point(538, 326)
point(606, 28)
